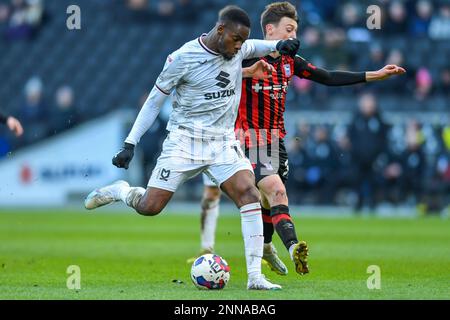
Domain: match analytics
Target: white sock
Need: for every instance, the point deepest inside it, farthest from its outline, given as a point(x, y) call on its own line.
point(210, 213)
point(252, 232)
point(131, 195)
point(291, 251)
point(123, 193)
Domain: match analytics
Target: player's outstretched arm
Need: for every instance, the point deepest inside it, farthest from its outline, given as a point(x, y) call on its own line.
point(385, 73)
point(173, 71)
point(254, 48)
point(259, 70)
point(144, 121)
point(305, 69)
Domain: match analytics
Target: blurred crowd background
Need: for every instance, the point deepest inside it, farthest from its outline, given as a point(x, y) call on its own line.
point(389, 142)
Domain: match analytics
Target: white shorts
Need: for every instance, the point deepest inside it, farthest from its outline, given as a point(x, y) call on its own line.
point(183, 157)
point(207, 181)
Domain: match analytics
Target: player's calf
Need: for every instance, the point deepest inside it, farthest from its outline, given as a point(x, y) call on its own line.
point(150, 203)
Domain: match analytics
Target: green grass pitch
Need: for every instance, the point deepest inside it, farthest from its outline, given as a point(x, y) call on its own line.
point(127, 256)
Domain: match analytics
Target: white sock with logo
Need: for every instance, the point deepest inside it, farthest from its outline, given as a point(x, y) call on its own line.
point(252, 232)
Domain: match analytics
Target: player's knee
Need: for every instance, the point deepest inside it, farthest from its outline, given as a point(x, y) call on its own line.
point(211, 194)
point(278, 196)
point(249, 194)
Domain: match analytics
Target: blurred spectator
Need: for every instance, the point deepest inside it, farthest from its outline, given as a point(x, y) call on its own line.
point(166, 8)
point(298, 162)
point(137, 5)
point(322, 165)
point(138, 11)
point(304, 134)
point(421, 21)
point(413, 162)
point(396, 22)
point(424, 84)
point(376, 57)
point(187, 10)
point(440, 24)
point(344, 177)
point(65, 114)
point(396, 84)
point(367, 134)
point(444, 82)
point(25, 18)
point(334, 52)
point(4, 13)
point(405, 173)
point(437, 195)
point(33, 112)
point(353, 21)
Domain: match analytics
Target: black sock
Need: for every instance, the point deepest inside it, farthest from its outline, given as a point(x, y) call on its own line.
point(283, 225)
point(267, 224)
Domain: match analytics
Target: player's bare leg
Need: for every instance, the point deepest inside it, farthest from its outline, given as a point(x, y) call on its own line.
point(210, 212)
point(270, 254)
point(242, 190)
point(273, 189)
point(148, 202)
point(151, 203)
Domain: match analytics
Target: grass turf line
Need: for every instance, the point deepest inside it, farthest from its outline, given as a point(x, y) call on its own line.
point(127, 256)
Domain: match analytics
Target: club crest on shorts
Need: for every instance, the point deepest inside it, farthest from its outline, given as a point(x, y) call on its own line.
point(164, 174)
point(287, 70)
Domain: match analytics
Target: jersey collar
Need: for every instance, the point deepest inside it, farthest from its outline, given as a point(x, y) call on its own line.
point(205, 47)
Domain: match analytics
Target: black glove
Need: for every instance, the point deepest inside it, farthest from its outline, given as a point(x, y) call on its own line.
point(123, 157)
point(288, 47)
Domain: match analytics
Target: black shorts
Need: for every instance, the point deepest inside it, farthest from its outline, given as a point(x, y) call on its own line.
point(264, 164)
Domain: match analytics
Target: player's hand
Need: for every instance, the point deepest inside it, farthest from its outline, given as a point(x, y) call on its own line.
point(259, 70)
point(15, 126)
point(123, 158)
point(289, 46)
point(385, 73)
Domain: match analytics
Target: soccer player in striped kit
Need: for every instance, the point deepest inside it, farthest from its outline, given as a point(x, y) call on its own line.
point(260, 128)
point(204, 79)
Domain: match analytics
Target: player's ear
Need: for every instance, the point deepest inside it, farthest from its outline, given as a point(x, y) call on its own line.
point(269, 29)
point(220, 29)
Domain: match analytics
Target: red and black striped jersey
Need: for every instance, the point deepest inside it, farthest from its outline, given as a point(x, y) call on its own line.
point(262, 104)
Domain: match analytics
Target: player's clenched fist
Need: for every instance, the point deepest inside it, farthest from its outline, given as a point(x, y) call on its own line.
point(289, 46)
point(123, 157)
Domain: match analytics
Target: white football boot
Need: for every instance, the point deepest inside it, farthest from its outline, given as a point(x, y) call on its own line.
point(270, 256)
point(260, 283)
point(105, 195)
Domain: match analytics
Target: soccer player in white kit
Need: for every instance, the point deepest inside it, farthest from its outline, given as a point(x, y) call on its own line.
point(204, 80)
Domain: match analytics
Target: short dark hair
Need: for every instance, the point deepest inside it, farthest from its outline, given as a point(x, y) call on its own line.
point(234, 14)
point(276, 11)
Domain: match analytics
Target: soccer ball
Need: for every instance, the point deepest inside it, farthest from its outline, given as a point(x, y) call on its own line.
point(209, 272)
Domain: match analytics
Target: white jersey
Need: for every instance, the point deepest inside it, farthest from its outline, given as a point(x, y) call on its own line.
point(205, 87)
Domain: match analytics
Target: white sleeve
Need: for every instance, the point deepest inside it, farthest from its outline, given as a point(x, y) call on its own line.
point(147, 115)
point(174, 69)
point(258, 48)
